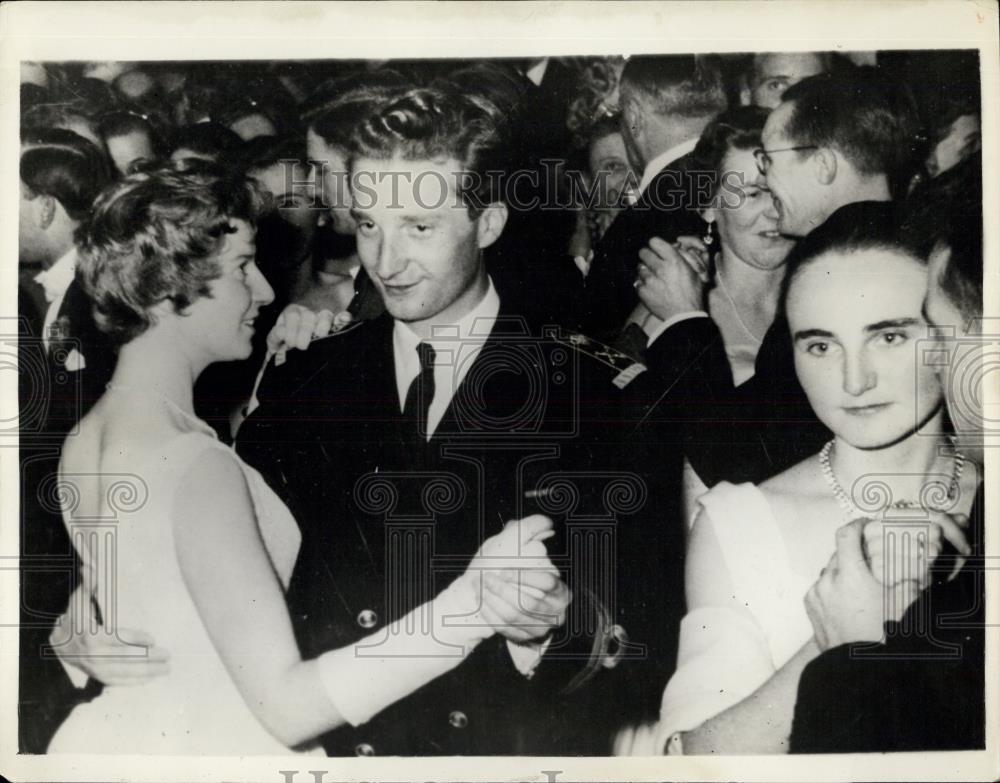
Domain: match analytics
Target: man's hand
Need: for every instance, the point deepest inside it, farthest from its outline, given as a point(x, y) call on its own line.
point(672, 277)
point(847, 603)
point(126, 657)
point(521, 593)
point(897, 551)
point(297, 326)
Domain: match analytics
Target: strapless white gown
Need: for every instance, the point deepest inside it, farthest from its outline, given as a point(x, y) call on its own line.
point(725, 653)
point(196, 709)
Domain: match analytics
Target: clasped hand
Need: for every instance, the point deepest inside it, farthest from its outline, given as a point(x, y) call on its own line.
point(672, 277)
point(866, 584)
point(519, 592)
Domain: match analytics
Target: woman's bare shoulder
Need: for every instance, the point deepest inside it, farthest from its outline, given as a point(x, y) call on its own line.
point(800, 483)
point(116, 437)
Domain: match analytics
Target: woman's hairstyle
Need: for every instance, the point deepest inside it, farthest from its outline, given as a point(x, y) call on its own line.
point(437, 123)
point(738, 128)
point(210, 139)
point(124, 121)
point(65, 166)
point(153, 237)
point(855, 228)
point(59, 115)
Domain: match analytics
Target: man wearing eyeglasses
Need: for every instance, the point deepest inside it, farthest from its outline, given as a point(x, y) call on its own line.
point(836, 139)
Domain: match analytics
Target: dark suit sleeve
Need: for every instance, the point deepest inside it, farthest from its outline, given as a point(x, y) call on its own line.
point(274, 438)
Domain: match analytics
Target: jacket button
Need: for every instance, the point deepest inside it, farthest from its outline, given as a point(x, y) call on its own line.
point(367, 618)
point(458, 719)
point(364, 749)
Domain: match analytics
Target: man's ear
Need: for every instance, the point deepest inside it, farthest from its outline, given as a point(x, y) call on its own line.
point(46, 210)
point(491, 223)
point(634, 118)
point(825, 165)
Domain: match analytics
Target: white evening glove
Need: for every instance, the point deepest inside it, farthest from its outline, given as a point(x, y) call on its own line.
point(364, 678)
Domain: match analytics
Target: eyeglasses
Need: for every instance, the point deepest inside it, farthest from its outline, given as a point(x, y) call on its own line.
point(763, 157)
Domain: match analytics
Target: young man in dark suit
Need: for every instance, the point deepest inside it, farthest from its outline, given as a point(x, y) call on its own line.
point(400, 443)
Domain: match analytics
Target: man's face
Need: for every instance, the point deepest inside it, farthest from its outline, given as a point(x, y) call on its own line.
point(962, 376)
point(289, 241)
point(127, 149)
point(797, 193)
point(331, 171)
point(775, 73)
point(32, 247)
point(417, 241)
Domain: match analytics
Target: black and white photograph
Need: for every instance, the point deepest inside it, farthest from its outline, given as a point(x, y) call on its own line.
point(406, 404)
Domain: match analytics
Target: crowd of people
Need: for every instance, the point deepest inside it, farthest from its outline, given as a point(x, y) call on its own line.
point(567, 406)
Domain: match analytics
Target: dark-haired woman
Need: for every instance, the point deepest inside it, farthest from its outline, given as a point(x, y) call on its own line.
point(853, 305)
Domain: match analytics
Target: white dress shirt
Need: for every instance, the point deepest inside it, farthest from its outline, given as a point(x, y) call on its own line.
point(456, 347)
point(55, 280)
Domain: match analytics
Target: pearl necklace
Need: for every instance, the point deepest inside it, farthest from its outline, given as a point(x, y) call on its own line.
point(850, 508)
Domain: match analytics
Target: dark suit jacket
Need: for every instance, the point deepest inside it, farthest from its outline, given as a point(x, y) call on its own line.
point(52, 399)
point(664, 210)
point(534, 415)
point(760, 428)
point(74, 391)
point(922, 689)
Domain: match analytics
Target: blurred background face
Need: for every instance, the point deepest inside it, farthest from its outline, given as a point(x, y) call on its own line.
point(964, 374)
point(609, 167)
point(252, 126)
point(962, 139)
point(129, 148)
point(745, 218)
point(332, 179)
point(30, 237)
point(285, 236)
point(856, 323)
point(774, 73)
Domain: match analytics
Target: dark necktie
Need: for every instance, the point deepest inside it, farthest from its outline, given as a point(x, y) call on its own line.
point(421, 391)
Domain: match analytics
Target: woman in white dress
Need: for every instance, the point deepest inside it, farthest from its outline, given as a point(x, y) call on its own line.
point(190, 543)
point(853, 301)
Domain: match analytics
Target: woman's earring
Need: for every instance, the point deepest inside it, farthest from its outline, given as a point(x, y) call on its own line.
point(709, 237)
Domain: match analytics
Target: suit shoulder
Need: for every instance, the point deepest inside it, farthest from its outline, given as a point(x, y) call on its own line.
point(337, 353)
point(603, 363)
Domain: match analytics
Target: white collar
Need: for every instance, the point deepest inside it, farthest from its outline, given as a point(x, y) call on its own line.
point(464, 339)
point(664, 159)
point(536, 72)
point(56, 279)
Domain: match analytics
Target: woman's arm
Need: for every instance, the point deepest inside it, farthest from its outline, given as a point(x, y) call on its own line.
point(510, 583)
point(762, 721)
point(228, 572)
